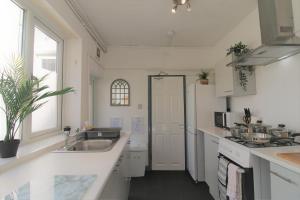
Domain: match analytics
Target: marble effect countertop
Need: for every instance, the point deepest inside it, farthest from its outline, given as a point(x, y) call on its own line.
point(270, 154)
point(215, 131)
point(65, 187)
point(61, 176)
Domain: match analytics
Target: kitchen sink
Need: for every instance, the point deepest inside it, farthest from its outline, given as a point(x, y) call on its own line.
point(95, 145)
point(292, 157)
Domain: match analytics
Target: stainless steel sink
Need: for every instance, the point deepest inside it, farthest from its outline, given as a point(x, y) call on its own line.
point(96, 145)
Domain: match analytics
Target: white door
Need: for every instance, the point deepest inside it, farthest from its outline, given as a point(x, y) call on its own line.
point(168, 144)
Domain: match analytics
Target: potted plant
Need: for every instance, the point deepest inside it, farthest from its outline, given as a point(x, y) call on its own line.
point(203, 77)
point(237, 50)
point(21, 95)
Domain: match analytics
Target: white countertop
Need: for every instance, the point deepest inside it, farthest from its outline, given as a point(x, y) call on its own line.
point(50, 169)
point(215, 131)
point(270, 154)
point(267, 153)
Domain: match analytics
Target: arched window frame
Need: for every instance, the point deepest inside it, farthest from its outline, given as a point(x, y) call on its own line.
point(113, 93)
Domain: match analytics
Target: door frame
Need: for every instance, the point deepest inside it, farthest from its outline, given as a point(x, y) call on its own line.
point(149, 167)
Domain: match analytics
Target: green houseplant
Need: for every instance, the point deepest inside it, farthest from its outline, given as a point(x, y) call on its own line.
point(203, 77)
point(237, 50)
point(21, 95)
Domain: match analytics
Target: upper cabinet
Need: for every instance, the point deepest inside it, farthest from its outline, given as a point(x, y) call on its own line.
point(234, 81)
point(296, 16)
point(224, 79)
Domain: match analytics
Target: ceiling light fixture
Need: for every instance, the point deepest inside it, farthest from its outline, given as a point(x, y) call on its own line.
point(181, 3)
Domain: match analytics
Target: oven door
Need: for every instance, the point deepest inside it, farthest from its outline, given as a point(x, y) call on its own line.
point(246, 183)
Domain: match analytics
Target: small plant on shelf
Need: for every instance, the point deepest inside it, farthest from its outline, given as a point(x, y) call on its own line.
point(203, 77)
point(238, 49)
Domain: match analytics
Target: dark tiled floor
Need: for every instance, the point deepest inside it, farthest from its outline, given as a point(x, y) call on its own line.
point(167, 185)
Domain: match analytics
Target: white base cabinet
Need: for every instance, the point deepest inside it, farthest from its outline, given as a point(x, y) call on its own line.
point(285, 184)
point(211, 145)
point(117, 187)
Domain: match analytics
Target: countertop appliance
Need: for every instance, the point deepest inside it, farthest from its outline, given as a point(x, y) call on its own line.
point(226, 119)
point(201, 104)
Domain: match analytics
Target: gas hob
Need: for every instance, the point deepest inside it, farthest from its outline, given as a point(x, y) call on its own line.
point(272, 143)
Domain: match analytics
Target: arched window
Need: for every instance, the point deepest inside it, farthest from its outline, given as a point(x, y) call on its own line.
point(120, 93)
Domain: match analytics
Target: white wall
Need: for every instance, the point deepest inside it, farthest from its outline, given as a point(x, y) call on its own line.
point(138, 81)
point(278, 97)
point(78, 51)
point(172, 58)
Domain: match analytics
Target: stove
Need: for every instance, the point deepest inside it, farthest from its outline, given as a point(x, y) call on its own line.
point(272, 143)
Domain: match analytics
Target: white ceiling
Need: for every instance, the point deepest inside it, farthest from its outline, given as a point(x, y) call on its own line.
point(147, 22)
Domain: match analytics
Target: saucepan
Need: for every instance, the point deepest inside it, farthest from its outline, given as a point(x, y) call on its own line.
point(256, 138)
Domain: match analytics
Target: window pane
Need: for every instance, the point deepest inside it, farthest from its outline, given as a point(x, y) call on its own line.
point(45, 63)
point(11, 23)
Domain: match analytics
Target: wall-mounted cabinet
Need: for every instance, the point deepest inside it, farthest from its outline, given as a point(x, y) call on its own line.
point(296, 16)
point(231, 81)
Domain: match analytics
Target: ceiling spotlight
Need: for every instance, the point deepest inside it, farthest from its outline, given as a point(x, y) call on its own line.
point(174, 9)
point(181, 3)
point(188, 7)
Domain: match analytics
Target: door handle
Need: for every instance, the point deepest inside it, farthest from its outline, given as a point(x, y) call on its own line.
point(213, 141)
point(284, 178)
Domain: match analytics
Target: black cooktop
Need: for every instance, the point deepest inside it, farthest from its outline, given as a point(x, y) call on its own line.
point(273, 142)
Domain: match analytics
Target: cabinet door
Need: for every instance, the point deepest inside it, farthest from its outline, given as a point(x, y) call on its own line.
point(285, 184)
point(117, 187)
point(224, 78)
point(211, 164)
point(296, 16)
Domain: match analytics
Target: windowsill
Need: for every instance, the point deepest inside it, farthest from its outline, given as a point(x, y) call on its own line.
point(30, 151)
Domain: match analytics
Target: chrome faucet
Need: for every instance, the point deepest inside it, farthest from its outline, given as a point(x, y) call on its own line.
point(67, 133)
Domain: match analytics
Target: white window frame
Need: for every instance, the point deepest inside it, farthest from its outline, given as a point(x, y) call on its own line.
point(37, 23)
point(30, 21)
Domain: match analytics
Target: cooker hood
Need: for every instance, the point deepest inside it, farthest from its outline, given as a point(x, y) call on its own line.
point(277, 25)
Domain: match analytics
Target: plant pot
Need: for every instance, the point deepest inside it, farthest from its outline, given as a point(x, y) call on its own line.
point(9, 149)
point(204, 81)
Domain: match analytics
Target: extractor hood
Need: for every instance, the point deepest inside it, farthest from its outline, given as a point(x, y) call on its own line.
point(278, 26)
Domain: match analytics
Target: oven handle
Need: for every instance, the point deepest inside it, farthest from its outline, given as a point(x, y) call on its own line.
point(284, 178)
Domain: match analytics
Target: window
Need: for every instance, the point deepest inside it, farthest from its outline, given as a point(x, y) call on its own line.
point(21, 27)
point(120, 93)
point(47, 61)
point(11, 23)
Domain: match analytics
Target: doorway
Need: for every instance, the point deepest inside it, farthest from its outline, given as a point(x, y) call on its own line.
point(167, 135)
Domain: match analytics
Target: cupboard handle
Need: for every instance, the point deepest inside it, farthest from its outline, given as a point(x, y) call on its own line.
point(284, 178)
point(213, 141)
point(228, 91)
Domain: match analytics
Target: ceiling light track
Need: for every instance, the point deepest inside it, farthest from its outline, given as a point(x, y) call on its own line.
point(177, 3)
point(85, 22)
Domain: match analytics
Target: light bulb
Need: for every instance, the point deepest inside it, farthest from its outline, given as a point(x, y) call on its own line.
point(183, 1)
point(188, 7)
point(174, 9)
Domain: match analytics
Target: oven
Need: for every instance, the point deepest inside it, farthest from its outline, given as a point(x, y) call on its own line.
point(237, 157)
